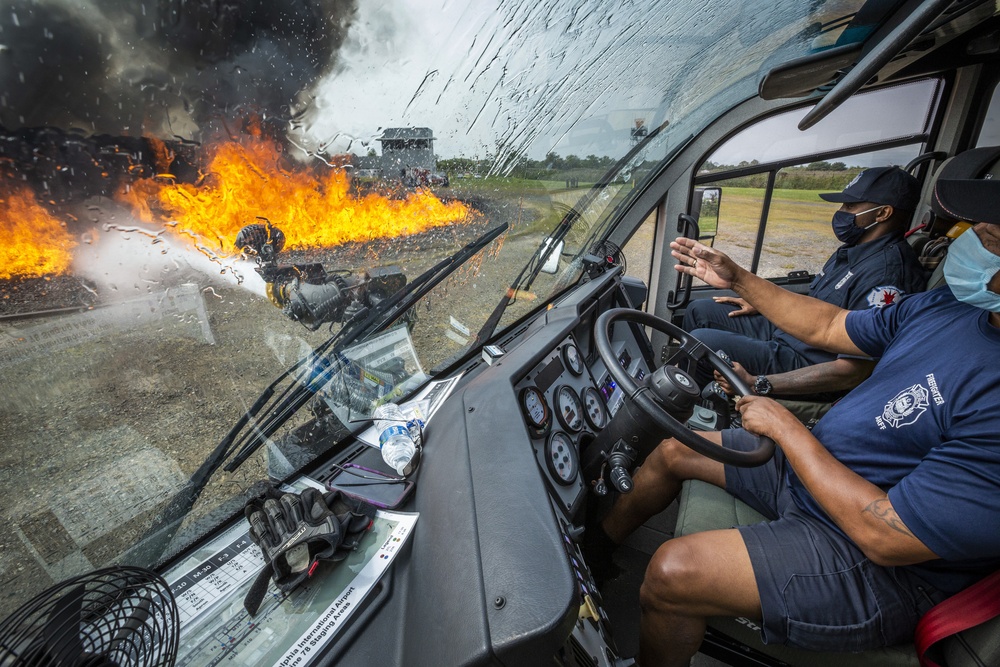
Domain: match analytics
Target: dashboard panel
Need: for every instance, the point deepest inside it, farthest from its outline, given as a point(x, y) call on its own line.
point(566, 399)
point(501, 499)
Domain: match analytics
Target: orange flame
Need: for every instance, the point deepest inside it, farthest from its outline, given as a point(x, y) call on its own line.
point(33, 242)
point(250, 178)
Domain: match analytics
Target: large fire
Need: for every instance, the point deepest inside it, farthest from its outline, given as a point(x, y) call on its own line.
point(33, 243)
point(244, 180)
point(250, 178)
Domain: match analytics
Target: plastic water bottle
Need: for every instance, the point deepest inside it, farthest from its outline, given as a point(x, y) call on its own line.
point(394, 437)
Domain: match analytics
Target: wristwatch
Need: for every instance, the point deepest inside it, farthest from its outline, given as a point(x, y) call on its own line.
point(762, 386)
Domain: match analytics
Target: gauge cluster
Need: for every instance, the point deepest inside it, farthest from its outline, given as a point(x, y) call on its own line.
point(562, 410)
point(565, 401)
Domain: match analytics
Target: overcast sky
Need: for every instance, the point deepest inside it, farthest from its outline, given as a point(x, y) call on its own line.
point(476, 73)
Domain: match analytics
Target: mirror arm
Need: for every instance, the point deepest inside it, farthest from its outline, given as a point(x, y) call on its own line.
point(869, 65)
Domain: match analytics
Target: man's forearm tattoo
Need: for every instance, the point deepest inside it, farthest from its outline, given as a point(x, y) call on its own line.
point(882, 510)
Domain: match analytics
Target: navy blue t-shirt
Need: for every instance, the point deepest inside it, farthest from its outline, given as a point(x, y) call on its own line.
point(925, 427)
point(872, 274)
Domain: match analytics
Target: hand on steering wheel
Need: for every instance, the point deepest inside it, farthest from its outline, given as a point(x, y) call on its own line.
point(741, 373)
point(643, 398)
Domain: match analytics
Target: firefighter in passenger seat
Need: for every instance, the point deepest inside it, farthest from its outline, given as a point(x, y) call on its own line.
point(884, 508)
point(873, 267)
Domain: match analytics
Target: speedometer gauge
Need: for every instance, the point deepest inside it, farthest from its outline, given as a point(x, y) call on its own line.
point(569, 409)
point(572, 359)
point(593, 409)
point(536, 411)
point(560, 454)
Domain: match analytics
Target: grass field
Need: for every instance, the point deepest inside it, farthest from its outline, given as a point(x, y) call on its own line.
point(544, 202)
point(798, 235)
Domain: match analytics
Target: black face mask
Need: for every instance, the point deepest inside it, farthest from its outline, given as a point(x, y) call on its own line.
point(845, 228)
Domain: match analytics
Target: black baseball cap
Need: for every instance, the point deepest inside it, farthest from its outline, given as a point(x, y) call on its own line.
point(890, 186)
point(968, 186)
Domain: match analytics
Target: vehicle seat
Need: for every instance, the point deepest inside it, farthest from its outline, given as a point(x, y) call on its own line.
point(704, 506)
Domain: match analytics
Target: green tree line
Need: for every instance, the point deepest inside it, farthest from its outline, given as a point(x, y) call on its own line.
point(812, 176)
point(552, 167)
point(576, 170)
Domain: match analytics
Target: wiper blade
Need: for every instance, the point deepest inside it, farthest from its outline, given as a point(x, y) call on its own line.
point(534, 266)
point(386, 312)
point(296, 394)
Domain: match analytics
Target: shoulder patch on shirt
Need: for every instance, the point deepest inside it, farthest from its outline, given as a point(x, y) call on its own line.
point(883, 296)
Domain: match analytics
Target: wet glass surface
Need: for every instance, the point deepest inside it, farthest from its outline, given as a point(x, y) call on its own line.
point(138, 139)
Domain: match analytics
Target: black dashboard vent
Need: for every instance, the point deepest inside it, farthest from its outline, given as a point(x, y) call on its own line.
point(506, 341)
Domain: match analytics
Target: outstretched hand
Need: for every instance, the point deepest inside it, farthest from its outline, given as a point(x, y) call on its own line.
point(704, 263)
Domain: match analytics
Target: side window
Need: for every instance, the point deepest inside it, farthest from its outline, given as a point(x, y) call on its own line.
point(798, 233)
point(771, 219)
point(639, 250)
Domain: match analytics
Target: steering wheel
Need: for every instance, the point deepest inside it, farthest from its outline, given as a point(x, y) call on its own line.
point(693, 349)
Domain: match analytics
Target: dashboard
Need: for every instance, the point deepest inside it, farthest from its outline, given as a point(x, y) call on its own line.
point(492, 572)
point(502, 499)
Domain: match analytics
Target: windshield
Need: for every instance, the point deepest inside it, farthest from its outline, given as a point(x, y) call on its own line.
point(196, 196)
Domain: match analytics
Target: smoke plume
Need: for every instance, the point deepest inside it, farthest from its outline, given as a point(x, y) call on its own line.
point(161, 67)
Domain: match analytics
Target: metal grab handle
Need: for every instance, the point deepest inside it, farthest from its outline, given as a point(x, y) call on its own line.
point(687, 226)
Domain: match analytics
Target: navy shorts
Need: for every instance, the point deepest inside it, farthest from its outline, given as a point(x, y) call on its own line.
point(818, 591)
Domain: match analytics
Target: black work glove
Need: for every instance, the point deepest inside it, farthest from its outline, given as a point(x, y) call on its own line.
point(296, 531)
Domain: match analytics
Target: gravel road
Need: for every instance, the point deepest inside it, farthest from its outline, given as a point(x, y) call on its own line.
point(104, 426)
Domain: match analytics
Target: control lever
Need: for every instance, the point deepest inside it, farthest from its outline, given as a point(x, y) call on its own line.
point(620, 460)
point(718, 400)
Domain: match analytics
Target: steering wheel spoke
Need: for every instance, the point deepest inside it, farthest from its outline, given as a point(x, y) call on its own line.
point(692, 349)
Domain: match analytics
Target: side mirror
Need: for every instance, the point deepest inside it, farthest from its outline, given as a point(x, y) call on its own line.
point(705, 209)
point(552, 263)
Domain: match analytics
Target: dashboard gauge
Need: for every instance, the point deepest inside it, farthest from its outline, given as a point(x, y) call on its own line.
point(569, 409)
point(536, 411)
point(560, 454)
point(572, 359)
point(593, 409)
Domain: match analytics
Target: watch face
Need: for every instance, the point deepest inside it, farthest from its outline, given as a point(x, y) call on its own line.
point(762, 386)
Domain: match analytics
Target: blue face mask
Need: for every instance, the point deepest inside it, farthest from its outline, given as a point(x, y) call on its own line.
point(845, 227)
point(968, 267)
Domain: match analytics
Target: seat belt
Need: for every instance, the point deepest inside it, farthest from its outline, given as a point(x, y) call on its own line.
point(976, 604)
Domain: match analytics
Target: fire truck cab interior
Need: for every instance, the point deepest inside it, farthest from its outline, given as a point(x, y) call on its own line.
point(544, 383)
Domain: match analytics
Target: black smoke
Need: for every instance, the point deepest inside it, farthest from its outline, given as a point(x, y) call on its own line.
point(161, 67)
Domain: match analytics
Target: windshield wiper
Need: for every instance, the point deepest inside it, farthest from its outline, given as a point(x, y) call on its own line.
point(386, 312)
point(296, 394)
point(531, 269)
point(527, 276)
